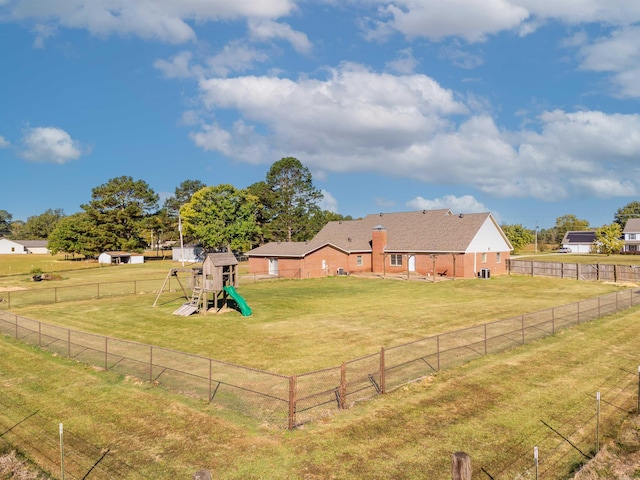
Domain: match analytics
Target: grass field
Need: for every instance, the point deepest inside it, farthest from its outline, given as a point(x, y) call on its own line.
point(485, 407)
point(300, 326)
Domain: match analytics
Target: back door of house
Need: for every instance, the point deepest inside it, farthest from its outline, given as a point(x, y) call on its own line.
point(273, 266)
point(412, 263)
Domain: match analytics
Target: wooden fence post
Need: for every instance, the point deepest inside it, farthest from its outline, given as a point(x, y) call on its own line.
point(460, 466)
point(292, 402)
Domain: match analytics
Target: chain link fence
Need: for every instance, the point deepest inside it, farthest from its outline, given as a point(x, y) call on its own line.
point(286, 401)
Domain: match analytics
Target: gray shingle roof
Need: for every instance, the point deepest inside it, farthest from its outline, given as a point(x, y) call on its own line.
point(632, 225)
point(420, 231)
point(580, 236)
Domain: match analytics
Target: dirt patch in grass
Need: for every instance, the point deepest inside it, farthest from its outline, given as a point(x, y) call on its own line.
point(11, 467)
point(619, 458)
point(11, 289)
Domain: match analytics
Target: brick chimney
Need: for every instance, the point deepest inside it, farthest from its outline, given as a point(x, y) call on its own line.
point(378, 244)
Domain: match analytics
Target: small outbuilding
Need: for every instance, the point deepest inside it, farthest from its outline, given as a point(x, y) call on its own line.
point(23, 246)
point(188, 253)
point(120, 258)
point(580, 241)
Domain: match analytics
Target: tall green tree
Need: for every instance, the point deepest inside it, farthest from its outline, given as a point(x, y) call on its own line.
point(608, 239)
point(76, 234)
point(119, 209)
point(182, 196)
point(294, 201)
point(264, 207)
point(569, 223)
point(518, 235)
point(221, 217)
point(39, 227)
point(166, 222)
point(5, 223)
point(623, 214)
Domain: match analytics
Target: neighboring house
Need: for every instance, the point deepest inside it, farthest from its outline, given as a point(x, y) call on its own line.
point(632, 235)
point(118, 258)
point(23, 246)
point(427, 242)
point(188, 253)
point(581, 241)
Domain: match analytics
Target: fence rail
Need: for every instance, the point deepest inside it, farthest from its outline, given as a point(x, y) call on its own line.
point(576, 271)
point(286, 401)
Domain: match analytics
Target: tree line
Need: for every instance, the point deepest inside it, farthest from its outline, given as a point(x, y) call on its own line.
point(608, 237)
point(124, 215)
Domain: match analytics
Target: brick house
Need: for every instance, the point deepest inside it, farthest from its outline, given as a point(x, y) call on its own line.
point(426, 243)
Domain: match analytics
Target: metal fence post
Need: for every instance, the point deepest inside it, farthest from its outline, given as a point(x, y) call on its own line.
point(438, 351)
point(597, 422)
point(485, 339)
point(150, 363)
point(210, 379)
point(383, 379)
point(106, 353)
point(69, 343)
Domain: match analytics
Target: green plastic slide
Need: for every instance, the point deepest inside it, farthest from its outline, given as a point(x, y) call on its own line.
point(244, 308)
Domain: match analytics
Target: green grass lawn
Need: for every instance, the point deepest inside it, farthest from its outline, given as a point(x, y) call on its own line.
point(491, 408)
point(300, 326)
point(485, 407)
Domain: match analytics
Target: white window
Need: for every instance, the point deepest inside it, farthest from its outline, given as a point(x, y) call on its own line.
point(632, 236)
point(396, 260)
point(498, 257)
point(484, 258)
point(359, 260)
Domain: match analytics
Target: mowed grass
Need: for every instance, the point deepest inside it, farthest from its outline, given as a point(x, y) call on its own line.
point(485, 408)
point(300, 326)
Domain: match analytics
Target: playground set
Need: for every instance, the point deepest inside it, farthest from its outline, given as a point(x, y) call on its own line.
point(212, 284)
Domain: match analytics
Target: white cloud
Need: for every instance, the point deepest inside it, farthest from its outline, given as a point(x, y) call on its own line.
point(4, 143)
point(234, 57)
point(405, 63)
point(460, 57)
point(328, 202)
point(50, 145)
point(468, 19)
point(163, 20)
point(464, 204)
point(178, 67)
point(409, 126)
point(618, 54)
point(268, 29)
point(474, 21)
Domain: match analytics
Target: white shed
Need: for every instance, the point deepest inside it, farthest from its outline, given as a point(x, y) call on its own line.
point(119, 258)
point(192, 254)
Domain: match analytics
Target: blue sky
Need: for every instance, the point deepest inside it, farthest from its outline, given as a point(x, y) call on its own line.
point(528, 109)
